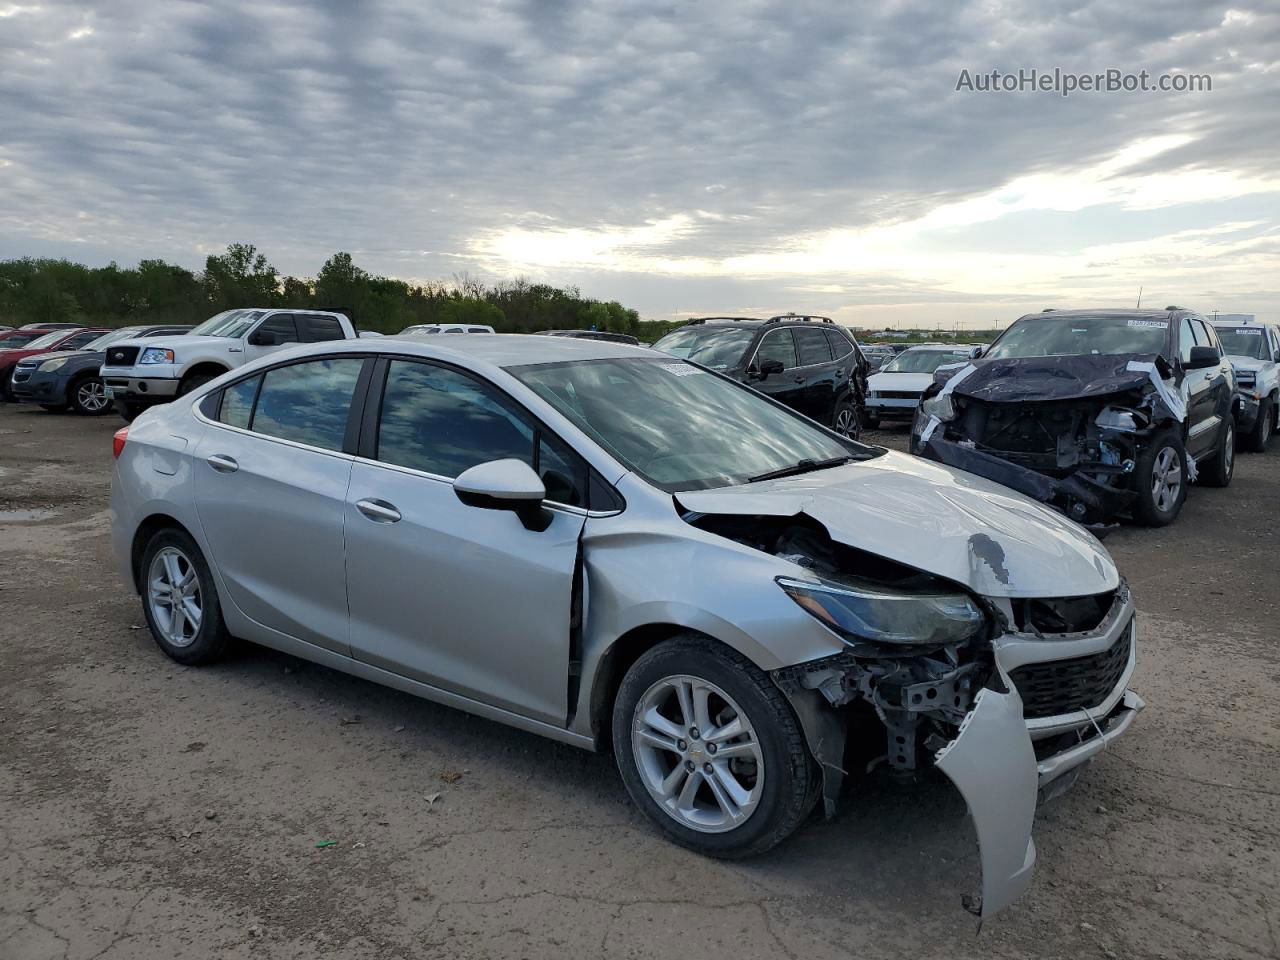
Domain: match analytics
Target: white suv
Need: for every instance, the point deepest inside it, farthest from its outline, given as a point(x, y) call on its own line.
point(1254, 352)
point(141, 373)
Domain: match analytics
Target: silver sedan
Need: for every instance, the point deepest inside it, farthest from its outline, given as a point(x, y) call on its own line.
point(626, 551)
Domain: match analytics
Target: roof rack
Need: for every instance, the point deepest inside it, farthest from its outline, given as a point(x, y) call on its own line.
point(809, 318)
point(1173, 306)
point(694, 320)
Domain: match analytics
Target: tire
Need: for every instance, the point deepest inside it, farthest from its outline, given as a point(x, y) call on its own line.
point(845, 420)
point(1153, 506)
point(1222, 467)
point(870, 422)
point(6, 391)
point(171, 555)
point(1260, 435)
point(192, 381)
point(128, 411)
point(88, 397)
point(54, 407)
point(775, 783)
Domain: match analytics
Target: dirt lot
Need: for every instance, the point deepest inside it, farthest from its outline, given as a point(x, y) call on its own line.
point(148, 810)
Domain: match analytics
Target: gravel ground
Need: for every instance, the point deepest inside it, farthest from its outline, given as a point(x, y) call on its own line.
point(148, 810)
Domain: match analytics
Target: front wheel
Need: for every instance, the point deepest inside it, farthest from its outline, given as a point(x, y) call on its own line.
point(1260, 435)
point(710, 749)
point(128, 411)
point(88, 397)
point(1222, 465)
point(1161, 478)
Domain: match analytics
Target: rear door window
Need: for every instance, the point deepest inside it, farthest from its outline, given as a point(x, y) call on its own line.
point(443, 422)
point(317, 329)
point(811, 346)
point(307, 402)
point(840, 345)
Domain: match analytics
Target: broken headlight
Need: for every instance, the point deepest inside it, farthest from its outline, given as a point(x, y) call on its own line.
point(939, 406)
point(884, 615)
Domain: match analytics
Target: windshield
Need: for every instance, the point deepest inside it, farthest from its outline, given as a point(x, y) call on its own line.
point(229, 323)
point(1051, 336)
point(922, 361)
point(15, 340)
point(680, 427)
point(1243, 342)
point(124, 333)
point(716, 347)
point(48, 340)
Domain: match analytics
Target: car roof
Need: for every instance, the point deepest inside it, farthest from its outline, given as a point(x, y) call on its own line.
point(505, 349)
point(1130, 312)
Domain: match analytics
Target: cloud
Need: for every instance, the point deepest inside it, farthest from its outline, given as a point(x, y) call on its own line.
point(799, 156)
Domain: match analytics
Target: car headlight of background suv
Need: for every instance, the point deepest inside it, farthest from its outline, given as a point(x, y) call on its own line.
point(884, 615)
point(156, 355)
point(51, 365)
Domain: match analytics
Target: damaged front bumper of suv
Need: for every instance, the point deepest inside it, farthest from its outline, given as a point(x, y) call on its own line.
point(1009, 721)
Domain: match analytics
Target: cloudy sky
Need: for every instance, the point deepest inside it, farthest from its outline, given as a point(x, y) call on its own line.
point(683, 158)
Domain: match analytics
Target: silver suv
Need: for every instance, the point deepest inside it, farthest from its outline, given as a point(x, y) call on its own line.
point(622, 550)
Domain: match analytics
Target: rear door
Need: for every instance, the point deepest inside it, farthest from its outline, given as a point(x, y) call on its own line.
point(813, 351)
point(271, 480)
point(463, 598)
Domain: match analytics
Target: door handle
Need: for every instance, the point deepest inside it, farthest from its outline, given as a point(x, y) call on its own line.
point(799, 379)
point(222, 463)
point(379, 511)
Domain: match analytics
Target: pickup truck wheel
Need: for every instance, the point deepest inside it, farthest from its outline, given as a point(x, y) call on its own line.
point(710, 749)
point(1161, 479)
point(128, 411)
point(1222, 466)
point(1260, 435)
point(190, 383)
point(180, 601)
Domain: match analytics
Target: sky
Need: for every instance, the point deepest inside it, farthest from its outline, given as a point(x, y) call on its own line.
point(683, 158)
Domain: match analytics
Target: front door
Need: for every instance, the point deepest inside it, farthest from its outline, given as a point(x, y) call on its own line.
point(788, 386)
point(276, 332)
point(1198, 389)
point(270, 488)
point(460, 597)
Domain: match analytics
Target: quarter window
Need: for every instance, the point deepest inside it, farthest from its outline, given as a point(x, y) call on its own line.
point(840, 345)
point(811, 346)
point(307, 402)
point(237, 403)
point(444, 422)
point(777, 345)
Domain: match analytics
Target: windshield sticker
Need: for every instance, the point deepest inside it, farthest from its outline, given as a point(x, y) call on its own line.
point(1150, 324)
point(1246, 332)
point(680, 369)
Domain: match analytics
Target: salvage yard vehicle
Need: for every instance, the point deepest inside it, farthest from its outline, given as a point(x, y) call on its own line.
point(605, 335)
point(141, 373)
point(1253, 350)
point(70, 379)
point(17, 338)
point(72, 338)
point(809, 363)
point(622, 550)
point(1095, 412)
point(894, 391)
point(430, 328)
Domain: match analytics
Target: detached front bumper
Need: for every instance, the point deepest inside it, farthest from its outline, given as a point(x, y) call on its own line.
point(1246, 407)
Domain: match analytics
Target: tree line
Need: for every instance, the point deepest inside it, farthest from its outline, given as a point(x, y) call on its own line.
point(41, 290)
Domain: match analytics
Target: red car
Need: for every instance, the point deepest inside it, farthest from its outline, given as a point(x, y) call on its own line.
point(45, 342)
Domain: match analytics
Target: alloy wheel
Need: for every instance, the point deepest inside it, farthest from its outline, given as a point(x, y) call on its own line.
point(1166, 479)
point(173, 591)
point(697, 754)
point(91, 396)
point(847, 423)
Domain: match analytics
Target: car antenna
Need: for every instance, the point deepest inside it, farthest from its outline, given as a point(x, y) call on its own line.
point(1139, 306)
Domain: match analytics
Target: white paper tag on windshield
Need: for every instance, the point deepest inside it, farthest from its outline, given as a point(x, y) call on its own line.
point(1155, 324)
point(681, 369)
point(1248, 332)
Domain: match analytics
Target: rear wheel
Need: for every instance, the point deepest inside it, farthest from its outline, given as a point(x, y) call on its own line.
point(1161, 478)
point(1222, 465)
point(710, 749)
point(1260, 435)
point(180, 601)
point(88, 397)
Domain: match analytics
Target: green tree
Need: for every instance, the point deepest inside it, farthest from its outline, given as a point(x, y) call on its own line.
point(241, 277)
point(469, 310)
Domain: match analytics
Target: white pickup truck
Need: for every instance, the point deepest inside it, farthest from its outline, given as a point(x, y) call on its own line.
point(1254, 352)
point(141, 373)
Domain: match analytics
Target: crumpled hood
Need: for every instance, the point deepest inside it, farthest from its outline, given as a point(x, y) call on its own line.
point(1020, 379)
point(1246, 364)
point(900, 381)
point(952, 524)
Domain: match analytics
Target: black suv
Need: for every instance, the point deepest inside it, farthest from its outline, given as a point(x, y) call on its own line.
point(809, 363)
point(1096, 412)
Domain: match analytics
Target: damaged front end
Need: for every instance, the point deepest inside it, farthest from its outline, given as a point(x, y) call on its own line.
point(1068, 431)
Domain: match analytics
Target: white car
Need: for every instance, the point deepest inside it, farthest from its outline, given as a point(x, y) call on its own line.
point(142, 373)
point(1254, 352)
point(448, 328)
point(893, 392)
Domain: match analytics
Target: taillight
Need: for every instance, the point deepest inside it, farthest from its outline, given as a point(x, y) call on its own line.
point(118, 441)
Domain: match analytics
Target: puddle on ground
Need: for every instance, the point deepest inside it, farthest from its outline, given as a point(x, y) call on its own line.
point(26, 516)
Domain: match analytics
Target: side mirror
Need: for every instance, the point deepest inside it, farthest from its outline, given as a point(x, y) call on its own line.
point(504, 485)
point(265, 338)
point(769, 368)
point(976, 352)
point(1202, 357)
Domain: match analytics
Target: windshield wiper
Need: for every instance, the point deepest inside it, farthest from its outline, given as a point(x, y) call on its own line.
point(806, 465)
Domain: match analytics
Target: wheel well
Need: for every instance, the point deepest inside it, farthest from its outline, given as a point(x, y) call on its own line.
point(142, 536)
point(205, 369)
point(615, 663)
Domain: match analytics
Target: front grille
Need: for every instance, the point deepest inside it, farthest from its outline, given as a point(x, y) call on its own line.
point(122, 356)
point(21, 374)
point(1065, 686)
point(898, 394)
